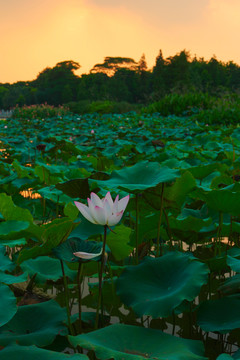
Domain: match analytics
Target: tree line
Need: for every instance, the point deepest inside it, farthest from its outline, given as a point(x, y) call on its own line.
point(122, 79)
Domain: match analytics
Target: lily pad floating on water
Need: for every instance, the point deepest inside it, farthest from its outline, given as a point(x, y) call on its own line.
point(158, 285)
point(36, 324)
point(16, 352)
point(128, 342)
point(222, 315)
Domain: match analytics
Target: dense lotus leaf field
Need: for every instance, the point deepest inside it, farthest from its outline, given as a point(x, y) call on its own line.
point(162, 281)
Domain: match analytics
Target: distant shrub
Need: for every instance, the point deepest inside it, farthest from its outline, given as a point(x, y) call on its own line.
point(125, 107)
point(102, 107)
point(225, 111)
point(42, 111)
point(181, 104)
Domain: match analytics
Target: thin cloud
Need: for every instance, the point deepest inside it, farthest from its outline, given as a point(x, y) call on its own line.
point(159, 11)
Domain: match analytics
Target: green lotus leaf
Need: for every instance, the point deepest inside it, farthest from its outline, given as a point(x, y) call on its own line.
point(139, 177)
point(46, 268)
point(71, 211)
point(236, 355)
point(8, 179)
point(16, 352)
point(12, 279)
point(219, 180)
point(118, 242)
point(127, 342)
point(12, 212)
point(234, 252)
point(52, 169)
point(217, 263)
point(233, 263)
point(224, 357)
point(36, 324)
point(65, 250)
point(22, 171)
point(190, 220)
point(174, 195)
point(13, 243)
point(147, 229)
point(5, 262)
point(8, 304)
point(10, 229)
point(223, 200)
point(24, 183)
point(111, 301)
point(76, 188)
point(158, 285)
point(55, 195)
point(202, 171)
point(53, 234)
point(89, 318)
point(230, 285)
point(222, 315)
point(49, 174)
point(86, 229)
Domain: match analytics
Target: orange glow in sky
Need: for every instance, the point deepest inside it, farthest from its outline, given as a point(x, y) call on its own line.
point(38, 34)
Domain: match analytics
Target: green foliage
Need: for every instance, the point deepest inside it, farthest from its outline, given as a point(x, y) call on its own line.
point(181, 104)
point(220, 315)
point(16, 352)
point(42, 112)
point(102, 107)
point(175, 277)
point(34, 324)
point(168, 257)
point(125, 342)
point(9, 307)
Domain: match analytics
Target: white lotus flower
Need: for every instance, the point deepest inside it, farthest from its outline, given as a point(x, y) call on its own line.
point(87, 256)
point(103, 211)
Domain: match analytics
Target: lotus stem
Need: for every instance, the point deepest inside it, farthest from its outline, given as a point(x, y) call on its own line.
point(169, 230)
point(111, 276)
point(159, 247)
point(174, 322)
point(67, 299)
point(219, 233)
point(137, 233)
point(57, 207)
point(79, 282)
point(101, 276)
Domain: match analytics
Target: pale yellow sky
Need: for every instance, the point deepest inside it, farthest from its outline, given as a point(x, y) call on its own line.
point(36, 34)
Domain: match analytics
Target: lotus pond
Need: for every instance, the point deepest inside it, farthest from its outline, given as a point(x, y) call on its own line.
point(160, 279)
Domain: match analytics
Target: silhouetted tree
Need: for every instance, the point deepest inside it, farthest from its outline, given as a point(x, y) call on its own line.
point(158, 76)
point(53, 84)
point(112, 64)
point(177, 70)
point(142, 64)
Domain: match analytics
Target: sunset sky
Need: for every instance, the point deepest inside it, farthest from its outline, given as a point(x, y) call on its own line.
point(36, 34)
